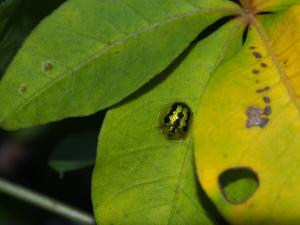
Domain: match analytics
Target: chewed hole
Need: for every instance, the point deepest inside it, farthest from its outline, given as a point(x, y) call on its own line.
point(238, 184)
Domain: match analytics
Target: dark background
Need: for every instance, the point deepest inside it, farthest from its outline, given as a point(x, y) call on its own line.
point(24, 154)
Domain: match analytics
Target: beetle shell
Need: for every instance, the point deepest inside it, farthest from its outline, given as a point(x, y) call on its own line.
point(176, 122)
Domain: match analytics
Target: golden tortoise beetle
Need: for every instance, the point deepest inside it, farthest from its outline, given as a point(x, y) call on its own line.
point(176, 122)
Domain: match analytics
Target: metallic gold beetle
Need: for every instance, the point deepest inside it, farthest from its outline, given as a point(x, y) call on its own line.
point(176, 122)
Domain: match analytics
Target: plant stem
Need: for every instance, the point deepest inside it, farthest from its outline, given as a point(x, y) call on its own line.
point(46, 203)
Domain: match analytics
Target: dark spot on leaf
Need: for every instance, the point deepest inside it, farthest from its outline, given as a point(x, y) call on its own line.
point(264, 65)
point(255, 71)
point(264, 122)
point(267, 99)
point(257, 55)
point(48, 66)
point(253, 111)
point(238, 184)
point(257, 81)
point(268, 110)
point(255, 118)
point(263, 89)
point(252, 47)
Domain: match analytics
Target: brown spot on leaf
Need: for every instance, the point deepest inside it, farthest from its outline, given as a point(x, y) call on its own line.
point(267, 88)
point(255, 71)
point(252, 47)
point(257, 55)
point(48, 66)
point(264, 65)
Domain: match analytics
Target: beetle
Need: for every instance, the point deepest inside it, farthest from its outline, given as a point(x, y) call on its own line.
point(176, 121)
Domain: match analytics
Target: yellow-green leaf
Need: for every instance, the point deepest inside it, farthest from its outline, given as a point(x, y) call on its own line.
point(140, 176)
point(263, 76)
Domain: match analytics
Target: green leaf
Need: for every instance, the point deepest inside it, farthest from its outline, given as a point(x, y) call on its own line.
point(76, 151)
point(140, 176)
point(91, 54)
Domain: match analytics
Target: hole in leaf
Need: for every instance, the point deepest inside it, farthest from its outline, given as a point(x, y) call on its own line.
point(238, 184)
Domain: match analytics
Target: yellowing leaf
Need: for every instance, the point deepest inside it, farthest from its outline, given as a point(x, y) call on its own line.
point(264, 76)
point(267, 5)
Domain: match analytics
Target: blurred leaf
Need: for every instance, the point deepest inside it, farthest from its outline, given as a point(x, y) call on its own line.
point(91, 54)
point(18, 26)
point(12, 39)
point(75, 152)
point(7, 8)
point(140, 176)
point(27, 134)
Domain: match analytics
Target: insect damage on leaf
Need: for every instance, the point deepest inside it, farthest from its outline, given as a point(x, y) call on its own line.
point(257, 55)
point(264, 65)
point(22, 88)
point(238, 184)
point(255, 71)
point(267, 99)
point(267, 110)
point(259, 117)
point(255, 117)
point(263, 89)
point(176, 122)
point(48, 66)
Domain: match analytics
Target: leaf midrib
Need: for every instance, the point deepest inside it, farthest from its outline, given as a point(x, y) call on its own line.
point(276, 61)
point(105, 50)
point(180, 181)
